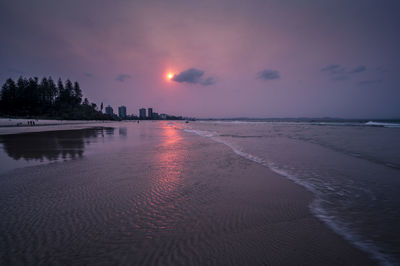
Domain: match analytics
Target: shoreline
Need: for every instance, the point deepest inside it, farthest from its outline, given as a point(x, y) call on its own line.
point(313, 207)
point(208, 202)
point(10, 127)
point(19, 126)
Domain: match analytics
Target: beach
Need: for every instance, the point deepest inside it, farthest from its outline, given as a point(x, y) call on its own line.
point(17, 126)
point(163, 196)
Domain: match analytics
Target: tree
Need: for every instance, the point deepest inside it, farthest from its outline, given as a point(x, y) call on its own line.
point(22, 84)
point(60, 85)
point(8, 96)
point(53, 91)
point(61, 94)
point(77, 93)
point(69, 92)
point(31, 97)
point(44, 97)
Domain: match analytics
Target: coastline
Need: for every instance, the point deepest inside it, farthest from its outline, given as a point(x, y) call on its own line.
point(329, 241)
point(18, 126)
point(206, 205)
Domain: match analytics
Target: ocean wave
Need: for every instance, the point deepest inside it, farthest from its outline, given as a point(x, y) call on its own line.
point(316, 123)
point(380, 124)
point(316, 206)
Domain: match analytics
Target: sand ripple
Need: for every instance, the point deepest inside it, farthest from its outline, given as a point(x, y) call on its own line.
point(181, 201)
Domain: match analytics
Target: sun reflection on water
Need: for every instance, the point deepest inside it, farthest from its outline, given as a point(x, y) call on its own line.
point(164, 195)
point(170, 157)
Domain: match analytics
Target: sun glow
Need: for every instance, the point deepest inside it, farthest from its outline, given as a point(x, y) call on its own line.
point(170, 76)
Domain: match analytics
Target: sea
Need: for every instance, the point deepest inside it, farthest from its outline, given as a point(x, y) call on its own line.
point(352, 169)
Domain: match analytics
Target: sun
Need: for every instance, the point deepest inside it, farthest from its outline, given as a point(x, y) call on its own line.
point(170, 76)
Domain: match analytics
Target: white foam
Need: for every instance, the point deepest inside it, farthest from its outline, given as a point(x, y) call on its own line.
point(372, 123)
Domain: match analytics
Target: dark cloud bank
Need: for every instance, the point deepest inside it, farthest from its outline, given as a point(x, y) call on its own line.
point(193, 76)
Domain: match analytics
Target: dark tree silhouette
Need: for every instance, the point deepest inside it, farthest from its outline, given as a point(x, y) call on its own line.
point(29, 98)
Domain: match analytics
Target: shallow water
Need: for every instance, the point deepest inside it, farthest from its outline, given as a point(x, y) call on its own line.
point(352, 169)
point(28, 149)
point(152, 194)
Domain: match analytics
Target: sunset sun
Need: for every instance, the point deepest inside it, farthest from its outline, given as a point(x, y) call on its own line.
point(170, 76)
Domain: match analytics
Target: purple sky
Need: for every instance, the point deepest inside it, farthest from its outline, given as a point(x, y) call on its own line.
point(230, 58)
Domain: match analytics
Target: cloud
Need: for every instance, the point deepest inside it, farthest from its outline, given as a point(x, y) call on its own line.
point(122, 77)
point(338, 69)
point(357, 70)
point(268, 74)
point(339, 72)
point(87, 74)
point(331, 68)
point(193, 76)
point(370, 82)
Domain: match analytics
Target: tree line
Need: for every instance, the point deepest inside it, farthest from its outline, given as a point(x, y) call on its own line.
point(29, 97)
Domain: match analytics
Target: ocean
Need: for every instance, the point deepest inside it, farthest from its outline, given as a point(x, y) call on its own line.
point(352, 169)
point(201, 193)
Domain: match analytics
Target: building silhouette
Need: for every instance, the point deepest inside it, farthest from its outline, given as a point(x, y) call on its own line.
point(109, 110)
point(142, 113)
point(122, 112)
point(150, 113)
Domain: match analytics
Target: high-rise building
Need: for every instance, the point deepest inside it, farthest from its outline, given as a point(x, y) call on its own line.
point(109, 110)
point(150, 113)
point(122, 112)
point(142, 113)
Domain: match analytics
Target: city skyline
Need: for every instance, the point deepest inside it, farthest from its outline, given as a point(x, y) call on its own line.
point(151, 115)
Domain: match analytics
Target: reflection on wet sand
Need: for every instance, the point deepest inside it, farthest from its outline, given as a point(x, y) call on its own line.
point(158, 208)
point(52, 145)
point(170, 158)
point(122, 131)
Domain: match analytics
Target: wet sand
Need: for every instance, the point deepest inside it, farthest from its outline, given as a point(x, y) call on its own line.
point(175, 200)
point(18, 126)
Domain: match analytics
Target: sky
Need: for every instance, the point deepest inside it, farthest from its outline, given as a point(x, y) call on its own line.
point(226, 58)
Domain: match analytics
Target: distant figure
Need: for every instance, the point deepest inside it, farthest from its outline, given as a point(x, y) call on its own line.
point(138, 121)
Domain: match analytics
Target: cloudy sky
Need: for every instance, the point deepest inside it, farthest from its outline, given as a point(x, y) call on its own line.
point(227, 58)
